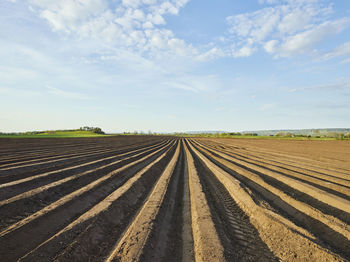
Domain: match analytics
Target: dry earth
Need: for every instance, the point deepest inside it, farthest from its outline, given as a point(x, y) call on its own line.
point(149, 198)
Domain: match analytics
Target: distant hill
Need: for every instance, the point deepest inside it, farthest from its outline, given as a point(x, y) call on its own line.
point(315, 131)
point(205, 132)
point(320, 131)
point(82, 132)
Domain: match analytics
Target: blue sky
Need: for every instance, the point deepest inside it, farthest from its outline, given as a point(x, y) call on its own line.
point(174, 65)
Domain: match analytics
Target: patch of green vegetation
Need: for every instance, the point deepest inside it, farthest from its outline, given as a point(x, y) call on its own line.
point(82, 132)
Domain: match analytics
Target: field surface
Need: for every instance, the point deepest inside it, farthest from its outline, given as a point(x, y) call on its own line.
point(54, 134)
point(157, 198)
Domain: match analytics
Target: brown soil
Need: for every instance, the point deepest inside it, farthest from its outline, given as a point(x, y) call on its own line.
point(149, 198)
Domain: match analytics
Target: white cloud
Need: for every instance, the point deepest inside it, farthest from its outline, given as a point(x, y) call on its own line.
point(342, 50)
point(131, 3)
point(211, 54)
point(68, 15)
point(284, 27)
point(270, 46)
point(305, 41)
point(281, 27)
point(268, 1)
point(243, 51)
point(135, 24)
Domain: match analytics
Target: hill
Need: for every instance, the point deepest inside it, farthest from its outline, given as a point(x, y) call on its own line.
point(305, 132)
point(82, 132)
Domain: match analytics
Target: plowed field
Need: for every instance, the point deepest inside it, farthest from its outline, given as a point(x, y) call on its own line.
point(150, 198)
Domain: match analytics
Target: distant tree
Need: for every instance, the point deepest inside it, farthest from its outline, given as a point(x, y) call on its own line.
point(338, 135)
point(279, 134)
point(235, 134)
point(97, 130)
point(288, 134)
point(331, 134)
point(316, 132)
point(87, 128)
point(250, 134)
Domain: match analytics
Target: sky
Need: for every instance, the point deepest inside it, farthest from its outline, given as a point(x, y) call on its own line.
point(174, 65)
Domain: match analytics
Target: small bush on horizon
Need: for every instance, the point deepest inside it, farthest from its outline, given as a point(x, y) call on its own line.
point(96, 130)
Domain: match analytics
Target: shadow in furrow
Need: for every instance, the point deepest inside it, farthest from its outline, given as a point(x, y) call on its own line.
point(165, 242)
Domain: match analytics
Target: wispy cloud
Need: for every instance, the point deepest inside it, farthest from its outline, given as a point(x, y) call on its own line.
point(339, 51)
point(346, 61)
point(67, 94)
point(20, 93)
point(194, 83)
point(268, 106)
point(284, 28)
point(341, 84)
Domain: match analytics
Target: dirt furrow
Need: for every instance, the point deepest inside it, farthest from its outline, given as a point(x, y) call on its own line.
point(75, 154)
point(286, 240)
point(56, 151)
point(48, 146)
point(13, 191)
point(207, 245)
point(64, 211)
point(12, 178)
point(56, 159)
point(337, 216)
point(303, 162)
point(160, 198)
point(317, 165)
point(23, 205)
point(239, 238)
point(74, 231)
point(328, 237)
point(186, 231)
point(166, 242)
point(341, 181)
point(18, 152)
point(303, 206)
point(131, 244)
point(75, 150)
point(332, 188)
point(316, 192)
point(76, 194)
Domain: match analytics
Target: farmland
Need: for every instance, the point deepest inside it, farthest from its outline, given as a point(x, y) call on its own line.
point(163, 198)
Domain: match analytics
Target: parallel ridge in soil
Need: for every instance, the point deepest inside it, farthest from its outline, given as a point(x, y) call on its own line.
point(158, 198)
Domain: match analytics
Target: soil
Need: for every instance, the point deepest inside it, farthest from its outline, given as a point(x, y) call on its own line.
point(159, 198)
